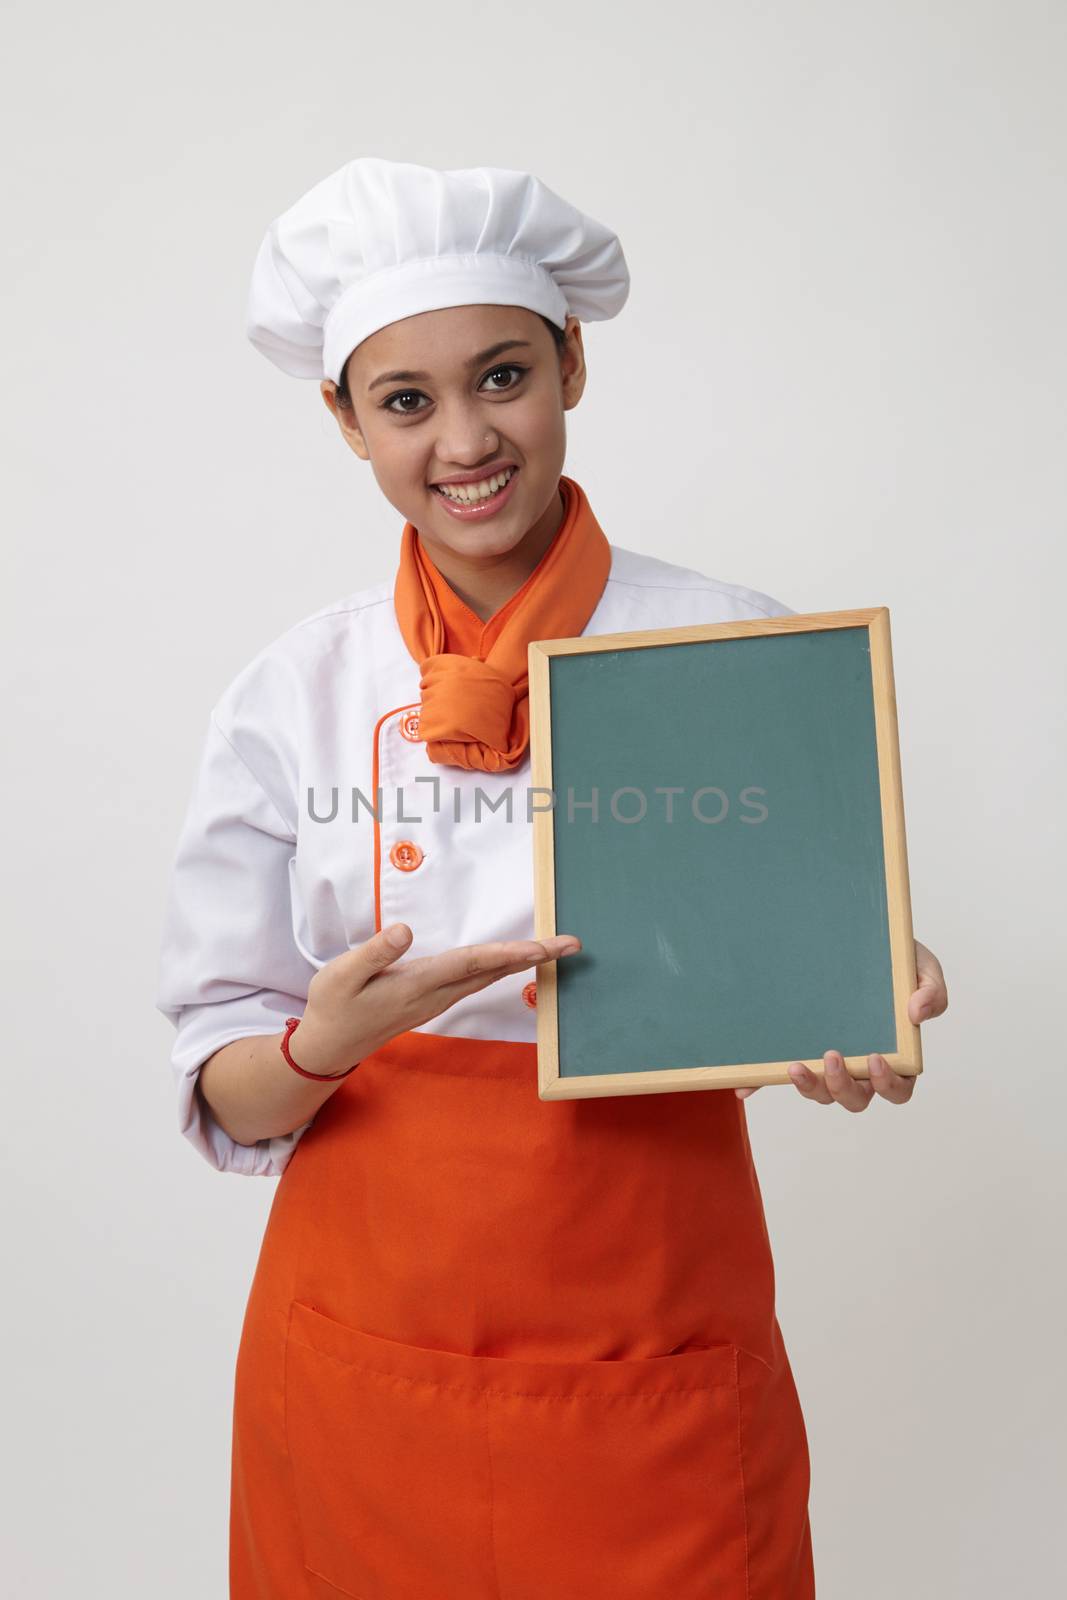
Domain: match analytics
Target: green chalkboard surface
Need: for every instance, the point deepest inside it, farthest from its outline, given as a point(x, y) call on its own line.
point(726, 838)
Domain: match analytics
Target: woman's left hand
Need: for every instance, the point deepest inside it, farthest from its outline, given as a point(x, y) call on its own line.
point(838, 1085)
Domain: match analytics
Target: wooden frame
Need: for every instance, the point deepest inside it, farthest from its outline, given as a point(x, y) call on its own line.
point(906, 1060)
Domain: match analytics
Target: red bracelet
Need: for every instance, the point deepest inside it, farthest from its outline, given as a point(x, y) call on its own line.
point(320, 1077)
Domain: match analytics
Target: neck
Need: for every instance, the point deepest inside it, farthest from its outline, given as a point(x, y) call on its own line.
point(486, 583)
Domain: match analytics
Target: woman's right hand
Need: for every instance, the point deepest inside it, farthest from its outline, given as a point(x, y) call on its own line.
point(359, 1001)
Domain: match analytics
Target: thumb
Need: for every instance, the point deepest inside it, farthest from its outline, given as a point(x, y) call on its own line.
point(379, 952)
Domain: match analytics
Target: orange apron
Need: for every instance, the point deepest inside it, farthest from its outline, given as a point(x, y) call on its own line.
point(499, 1348)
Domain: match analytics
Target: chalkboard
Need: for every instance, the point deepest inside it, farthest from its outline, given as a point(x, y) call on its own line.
point(718, 816)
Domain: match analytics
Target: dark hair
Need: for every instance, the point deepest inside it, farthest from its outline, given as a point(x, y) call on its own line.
point(558, 334)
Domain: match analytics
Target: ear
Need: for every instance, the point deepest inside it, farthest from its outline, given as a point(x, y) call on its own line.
point(345, 416)
point(572, 364)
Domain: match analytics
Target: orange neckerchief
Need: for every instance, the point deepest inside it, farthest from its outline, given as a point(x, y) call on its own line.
point(475, 705)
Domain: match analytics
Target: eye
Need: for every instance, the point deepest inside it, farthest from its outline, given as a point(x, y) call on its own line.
point(510, 366)
point(408, 394)
point(402, 394)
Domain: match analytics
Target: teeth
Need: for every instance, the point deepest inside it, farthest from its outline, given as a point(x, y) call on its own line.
point(467, 493)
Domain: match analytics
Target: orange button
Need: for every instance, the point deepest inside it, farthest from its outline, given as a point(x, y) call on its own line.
point(405, 855)
point(409, 725)
point(529, 994)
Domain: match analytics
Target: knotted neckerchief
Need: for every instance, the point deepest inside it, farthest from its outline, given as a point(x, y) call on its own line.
point(475, 709)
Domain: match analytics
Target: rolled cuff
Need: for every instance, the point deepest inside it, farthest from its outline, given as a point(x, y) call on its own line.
point(203, 1029)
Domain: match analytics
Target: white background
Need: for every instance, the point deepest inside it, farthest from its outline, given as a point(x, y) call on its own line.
point(839, 379)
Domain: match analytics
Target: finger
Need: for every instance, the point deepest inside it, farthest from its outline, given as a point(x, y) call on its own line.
point(852, 1093)
point(894, 1086)
point(810, 1084)
point(456, 990)
point(930, 997)
point(416, 993)
point(432, 997)
point(474, 967)
point(494, 959)
point(742, 1094)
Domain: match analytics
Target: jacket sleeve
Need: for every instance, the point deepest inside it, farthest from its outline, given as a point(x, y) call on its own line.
point(229, 966)
point(766, 605)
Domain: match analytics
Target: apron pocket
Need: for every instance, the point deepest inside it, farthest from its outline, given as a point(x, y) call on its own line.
point(621, 1479)
point(422, 1472)
point(390, 1464)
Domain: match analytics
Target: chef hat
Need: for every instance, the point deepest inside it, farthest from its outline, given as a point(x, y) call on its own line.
point(380, 240)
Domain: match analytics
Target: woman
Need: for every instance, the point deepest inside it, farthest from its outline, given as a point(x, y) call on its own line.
point(495, 1346)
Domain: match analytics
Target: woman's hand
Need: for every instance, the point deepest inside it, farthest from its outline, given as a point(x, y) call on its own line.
point(359, 1001)
point(929, 999)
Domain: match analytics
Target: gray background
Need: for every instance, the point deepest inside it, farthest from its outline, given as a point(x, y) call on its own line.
point(839, 378)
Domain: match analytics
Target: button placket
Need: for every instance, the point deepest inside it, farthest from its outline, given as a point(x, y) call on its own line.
point(408, 833)
point(473, 882)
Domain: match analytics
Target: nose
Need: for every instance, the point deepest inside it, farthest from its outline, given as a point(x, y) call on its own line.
point(465, 439)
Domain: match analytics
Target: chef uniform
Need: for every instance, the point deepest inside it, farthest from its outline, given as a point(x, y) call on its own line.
point(496, 1348)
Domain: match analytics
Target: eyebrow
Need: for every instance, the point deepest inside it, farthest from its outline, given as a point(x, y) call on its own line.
point(475, 361)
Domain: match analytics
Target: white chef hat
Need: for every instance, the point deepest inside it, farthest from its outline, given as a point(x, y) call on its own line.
point(380, 240)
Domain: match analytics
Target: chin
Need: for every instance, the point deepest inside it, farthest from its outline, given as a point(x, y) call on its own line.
point(479, 542)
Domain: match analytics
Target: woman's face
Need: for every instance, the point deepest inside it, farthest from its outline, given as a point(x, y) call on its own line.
point(462, 391)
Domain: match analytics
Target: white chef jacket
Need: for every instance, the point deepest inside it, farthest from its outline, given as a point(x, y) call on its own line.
point(272, 879)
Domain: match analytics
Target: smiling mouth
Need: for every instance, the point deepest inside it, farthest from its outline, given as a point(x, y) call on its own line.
point(472, 494)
